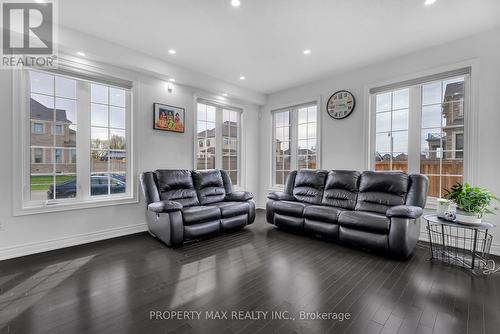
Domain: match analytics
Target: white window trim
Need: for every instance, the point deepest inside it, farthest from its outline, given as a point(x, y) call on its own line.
point(21, 140)
point(313, 100)
point(471, 110)
point(226, 103)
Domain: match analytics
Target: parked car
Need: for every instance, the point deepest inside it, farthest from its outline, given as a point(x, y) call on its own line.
point(120, 177)
point(98, 186)
point(116, 155)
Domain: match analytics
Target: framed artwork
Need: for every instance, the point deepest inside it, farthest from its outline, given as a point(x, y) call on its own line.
point(168, 118)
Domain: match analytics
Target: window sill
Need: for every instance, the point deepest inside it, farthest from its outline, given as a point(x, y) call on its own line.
point(68, 206)
point(276, 188)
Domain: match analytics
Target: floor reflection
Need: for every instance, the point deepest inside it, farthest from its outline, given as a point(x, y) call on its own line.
point(21, 297)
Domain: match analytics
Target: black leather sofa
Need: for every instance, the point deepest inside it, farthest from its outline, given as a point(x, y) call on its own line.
point(374, 210)
point(185, 205)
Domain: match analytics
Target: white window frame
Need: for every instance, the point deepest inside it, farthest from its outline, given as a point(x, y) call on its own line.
point(22, 204)
point(470, 110)
point(219, 106)
point(293, 109)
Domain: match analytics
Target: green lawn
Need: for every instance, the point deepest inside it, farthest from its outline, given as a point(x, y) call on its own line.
point(42, 182)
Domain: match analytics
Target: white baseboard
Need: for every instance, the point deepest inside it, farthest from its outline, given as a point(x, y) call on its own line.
point(48, 245)
point(495, 248)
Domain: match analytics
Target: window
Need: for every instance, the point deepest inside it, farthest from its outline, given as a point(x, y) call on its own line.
point(392, 130)
point(205, 131)
point(295, 142)
point(459, 145)
point(38, 155)
point(89, 123)
point(58, 156)
point(73, 156)
point(420, 129)
point(108, 137)
point(218, 137)
point(58, 129)
point(37, 128)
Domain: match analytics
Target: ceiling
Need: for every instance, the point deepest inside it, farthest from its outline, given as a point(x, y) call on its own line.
point(264, 40)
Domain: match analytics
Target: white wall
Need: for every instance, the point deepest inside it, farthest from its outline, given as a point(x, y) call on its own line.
point(154, 149)
point(344, 142)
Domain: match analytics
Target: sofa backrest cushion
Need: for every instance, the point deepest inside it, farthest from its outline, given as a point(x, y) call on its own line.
point(378, 191)
point(309, 185)
point(228, 184)
point(341, 189)
point(290, 182)
point(149, 187)
point(209, 186)
point(417, 191)
point(177, 185)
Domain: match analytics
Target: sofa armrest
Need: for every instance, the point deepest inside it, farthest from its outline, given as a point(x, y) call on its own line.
point(238, 196)
point(404, 211)
point(164, 206)
point(280, 196)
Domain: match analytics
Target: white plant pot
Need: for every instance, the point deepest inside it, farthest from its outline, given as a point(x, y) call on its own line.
point(442, 207)
point(468, 218)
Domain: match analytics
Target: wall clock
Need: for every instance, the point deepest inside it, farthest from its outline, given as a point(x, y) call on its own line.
point(341, 104)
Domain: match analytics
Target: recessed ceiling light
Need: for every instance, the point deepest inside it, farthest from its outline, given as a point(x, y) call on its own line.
point(235, 3)
point(429, 2)
point(81, 54)
point(172, 51)
point(225, 94)
point(171, 80)
point(242, 78)
point(307, 52)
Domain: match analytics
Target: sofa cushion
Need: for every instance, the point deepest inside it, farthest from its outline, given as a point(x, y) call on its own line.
point(233, 223)
point(287, 208)
point(320, 213)
point(209, 186)
point(231, 209)
point(309, 184)
point(378, 191)
point(320, 228)
point(289, 223)
point(201, 230)
point(364, 239)
point(199, 214)
point(417, 190)
point(367, 221)
point(177, 185)
point(341, 189)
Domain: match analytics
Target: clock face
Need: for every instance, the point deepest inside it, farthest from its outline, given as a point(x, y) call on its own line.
point(341, 104)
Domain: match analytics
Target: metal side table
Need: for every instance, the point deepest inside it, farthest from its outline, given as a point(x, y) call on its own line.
point(467, 246)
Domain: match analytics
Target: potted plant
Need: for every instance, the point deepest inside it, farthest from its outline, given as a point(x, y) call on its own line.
point(442, 207)
point(472, 202)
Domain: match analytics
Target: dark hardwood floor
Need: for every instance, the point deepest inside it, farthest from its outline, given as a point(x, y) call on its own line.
point(113, 286)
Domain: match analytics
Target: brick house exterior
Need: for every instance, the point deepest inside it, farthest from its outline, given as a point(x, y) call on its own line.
point(53, 142)
point(453, 115)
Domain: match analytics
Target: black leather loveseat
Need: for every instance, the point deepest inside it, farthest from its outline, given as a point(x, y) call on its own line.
point(185, 205)
point(375, 210)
